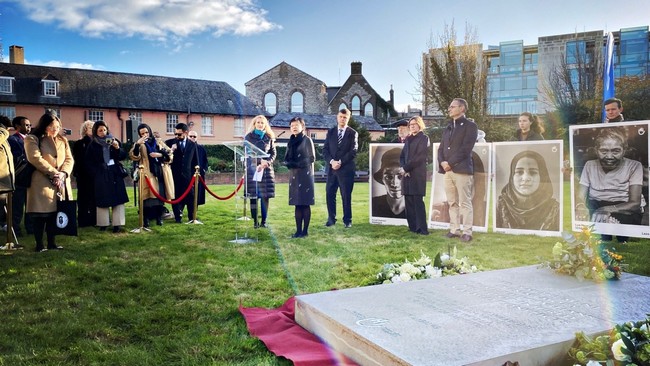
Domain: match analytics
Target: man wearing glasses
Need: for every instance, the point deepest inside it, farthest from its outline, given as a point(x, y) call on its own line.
point(455, 162)
point(185, 159)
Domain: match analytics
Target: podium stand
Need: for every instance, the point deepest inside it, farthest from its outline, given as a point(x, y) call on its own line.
point(243, 150)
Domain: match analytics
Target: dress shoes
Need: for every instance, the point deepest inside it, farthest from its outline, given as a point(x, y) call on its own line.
point(466, 238)
point(330, 223)
point(451, 235)
point(296, 235)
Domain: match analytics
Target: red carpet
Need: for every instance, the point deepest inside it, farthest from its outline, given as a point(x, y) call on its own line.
point(281, 334)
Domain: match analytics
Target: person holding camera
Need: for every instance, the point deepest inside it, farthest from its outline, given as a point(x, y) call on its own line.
point(103, 158)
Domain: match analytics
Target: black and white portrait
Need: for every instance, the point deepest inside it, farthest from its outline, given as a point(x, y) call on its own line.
point(439, 208)
point(528, 187)
point(610, 178)
point(387, 204)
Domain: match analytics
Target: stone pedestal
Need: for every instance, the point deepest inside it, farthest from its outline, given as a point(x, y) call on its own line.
point(523, 314)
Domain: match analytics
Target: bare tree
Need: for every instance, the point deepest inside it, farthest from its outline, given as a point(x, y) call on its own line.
point(451, 70)
point(574, 88)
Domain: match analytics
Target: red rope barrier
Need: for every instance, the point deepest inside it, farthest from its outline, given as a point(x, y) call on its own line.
point(241, 183)
point(176, 201)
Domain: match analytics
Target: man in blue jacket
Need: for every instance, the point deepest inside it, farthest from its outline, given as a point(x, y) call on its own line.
point(455, 162)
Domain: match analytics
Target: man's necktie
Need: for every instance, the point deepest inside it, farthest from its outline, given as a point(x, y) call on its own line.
point(340, 136)
point(183, 145)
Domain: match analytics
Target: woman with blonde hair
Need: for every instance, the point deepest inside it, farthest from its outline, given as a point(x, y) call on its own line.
point(50, 154)
point(261, 136)
point(87, 211)
point(413, 168)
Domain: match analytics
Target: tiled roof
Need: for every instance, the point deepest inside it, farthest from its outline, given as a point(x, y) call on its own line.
point(103, 89)
point(321, 121)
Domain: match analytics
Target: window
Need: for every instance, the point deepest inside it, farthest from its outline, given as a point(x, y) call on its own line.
point(50, 88)
point(313, 135)
point(576, 52)
point(239, 127)
point(206, 125)
point(56, 111)
point(342, 106)
point(297, 102)
point(6, 85)
point(356, 105)
point(8, 111)
point(96, 115)
point(368, 110)
point(270, 103)
point(136, 118)
point(172, 121)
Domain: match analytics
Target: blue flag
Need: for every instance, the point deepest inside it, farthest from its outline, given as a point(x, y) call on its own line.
point(608, 71)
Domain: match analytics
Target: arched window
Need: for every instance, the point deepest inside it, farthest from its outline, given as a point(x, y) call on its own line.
point(356, 106)
point(271, 103)
point(368, 110)
point(342, 106)
point(297, 102)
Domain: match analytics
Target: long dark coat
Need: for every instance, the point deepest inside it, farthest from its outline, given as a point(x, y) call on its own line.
point(110, 189)
point(299, 158)
point(265, 188)
point(413, 159)
point(85, 184)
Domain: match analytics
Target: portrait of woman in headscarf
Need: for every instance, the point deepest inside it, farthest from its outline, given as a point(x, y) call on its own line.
point(526, 201)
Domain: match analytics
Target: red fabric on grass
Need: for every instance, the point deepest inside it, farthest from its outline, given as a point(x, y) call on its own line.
point(281, 334)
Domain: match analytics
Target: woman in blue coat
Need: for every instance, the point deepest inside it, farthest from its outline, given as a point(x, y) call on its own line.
point(261, 136)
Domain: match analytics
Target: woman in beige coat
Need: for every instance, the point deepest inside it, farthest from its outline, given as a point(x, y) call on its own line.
point(50, 154)
point(155, 157)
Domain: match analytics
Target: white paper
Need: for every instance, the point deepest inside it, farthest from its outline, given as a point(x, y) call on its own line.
point(258, 175)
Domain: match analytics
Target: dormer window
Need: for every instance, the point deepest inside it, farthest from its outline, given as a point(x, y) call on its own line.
point(50, 88)
point(7, 85)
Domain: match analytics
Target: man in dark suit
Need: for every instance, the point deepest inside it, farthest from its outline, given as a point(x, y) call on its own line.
point(455, 162)
point(203, 164)
point(23, 126)
point(340, 152)
point(185, 159)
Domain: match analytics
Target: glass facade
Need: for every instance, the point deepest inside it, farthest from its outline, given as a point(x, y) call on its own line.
point(512, 78)
point(632, 53)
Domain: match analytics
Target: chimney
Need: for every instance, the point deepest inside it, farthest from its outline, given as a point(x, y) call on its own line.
point(16, 55)
point(356, 68)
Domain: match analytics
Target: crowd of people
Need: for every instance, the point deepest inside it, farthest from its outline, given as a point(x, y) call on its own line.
point(38, 164)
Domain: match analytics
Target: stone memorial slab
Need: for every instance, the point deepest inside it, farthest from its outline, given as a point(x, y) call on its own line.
point(524, 314)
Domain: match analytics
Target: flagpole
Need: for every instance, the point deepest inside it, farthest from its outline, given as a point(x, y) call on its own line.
point(608, 72)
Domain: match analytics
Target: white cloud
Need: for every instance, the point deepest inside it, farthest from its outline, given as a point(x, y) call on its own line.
point(151, 19)
point(71, 65)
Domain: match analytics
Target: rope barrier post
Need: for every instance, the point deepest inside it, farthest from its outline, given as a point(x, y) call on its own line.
point(9, 244)
point(197, 177)
point(141, 184)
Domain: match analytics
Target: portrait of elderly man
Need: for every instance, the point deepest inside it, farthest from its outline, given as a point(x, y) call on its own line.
point(611, 185)
point(391, 204)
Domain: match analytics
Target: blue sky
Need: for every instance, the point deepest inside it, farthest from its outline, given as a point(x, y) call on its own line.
point(236, 40)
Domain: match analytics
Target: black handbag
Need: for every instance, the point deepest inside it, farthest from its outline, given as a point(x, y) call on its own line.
point(66, 215)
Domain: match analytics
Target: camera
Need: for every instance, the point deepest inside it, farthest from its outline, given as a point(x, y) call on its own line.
point(67, 131)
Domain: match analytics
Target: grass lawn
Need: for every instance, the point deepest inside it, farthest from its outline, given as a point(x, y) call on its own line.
point(171, 296)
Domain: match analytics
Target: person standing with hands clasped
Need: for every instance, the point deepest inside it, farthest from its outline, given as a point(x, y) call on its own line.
point(299, 158)
point(50, 154)
point(340, 153)
point(455, 162)
point(413, 167)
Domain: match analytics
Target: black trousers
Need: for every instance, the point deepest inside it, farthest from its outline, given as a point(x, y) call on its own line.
point(343, 180)
point(416, 214)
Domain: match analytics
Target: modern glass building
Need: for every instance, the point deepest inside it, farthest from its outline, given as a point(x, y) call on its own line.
point(518, 74)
